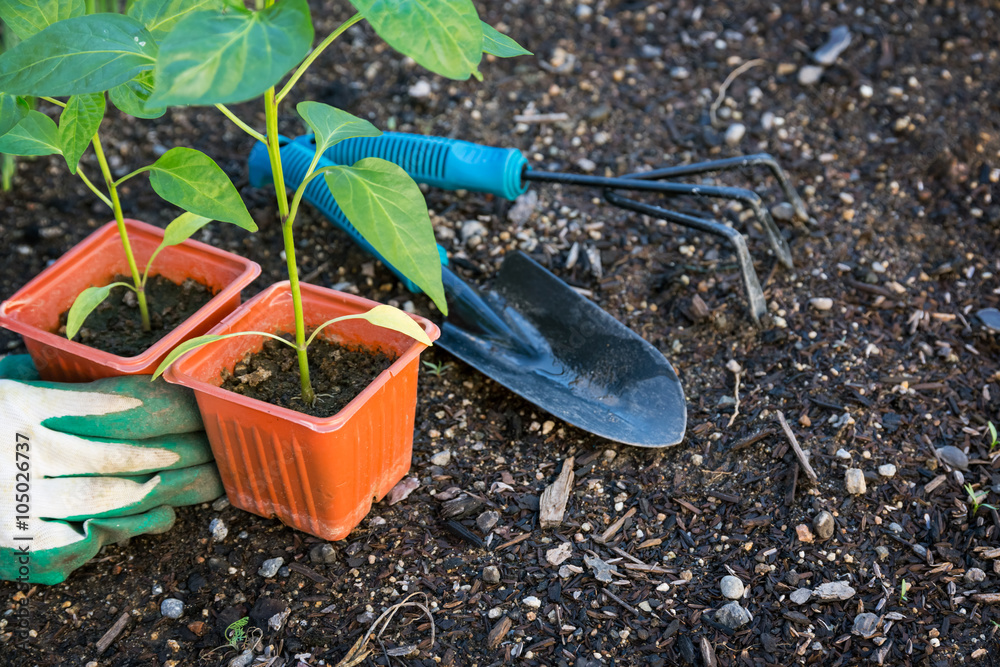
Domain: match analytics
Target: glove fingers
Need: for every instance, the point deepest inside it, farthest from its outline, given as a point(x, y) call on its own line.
point(65, 454)
point(18, 367)
point(143, 409)
point(122, 496)
point(52, 564)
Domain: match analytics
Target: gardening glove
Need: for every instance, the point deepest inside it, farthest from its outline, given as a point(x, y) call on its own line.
point(84, 465)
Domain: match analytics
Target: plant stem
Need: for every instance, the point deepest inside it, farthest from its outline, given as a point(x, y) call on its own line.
point(122, 232)
point(274, 152)
point(315, 54)
point(93, 188)
point(239, 123)
point(7, 171)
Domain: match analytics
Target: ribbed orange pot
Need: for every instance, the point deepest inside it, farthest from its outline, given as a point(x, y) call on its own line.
point(34, 310)
point(317, 475)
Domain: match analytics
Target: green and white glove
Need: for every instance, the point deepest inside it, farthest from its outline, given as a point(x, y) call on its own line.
point(84, 465)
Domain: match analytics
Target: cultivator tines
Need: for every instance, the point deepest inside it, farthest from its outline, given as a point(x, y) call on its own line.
point(657, 181)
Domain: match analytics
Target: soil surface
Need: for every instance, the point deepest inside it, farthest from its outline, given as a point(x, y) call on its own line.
point(115, 326)
point(874, 356)
point(338, 374)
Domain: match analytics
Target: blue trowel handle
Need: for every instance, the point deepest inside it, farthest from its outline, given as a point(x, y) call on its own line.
point(450, 164)
point(295, 159)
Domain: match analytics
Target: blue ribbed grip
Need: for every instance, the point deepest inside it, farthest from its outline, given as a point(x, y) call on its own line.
point(451, 164)
point(295, 159)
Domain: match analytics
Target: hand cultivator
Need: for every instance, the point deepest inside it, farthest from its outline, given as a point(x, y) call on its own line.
point(455, 164)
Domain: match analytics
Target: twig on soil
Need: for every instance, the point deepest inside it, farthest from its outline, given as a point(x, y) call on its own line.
point(738, 372)
point(360, 651)
point(810, 473)
point(112, 634)
point(725, 86)
point(614, 528)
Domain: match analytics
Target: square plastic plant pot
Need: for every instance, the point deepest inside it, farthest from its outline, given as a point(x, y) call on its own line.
point(319, 476)
point(34, 310)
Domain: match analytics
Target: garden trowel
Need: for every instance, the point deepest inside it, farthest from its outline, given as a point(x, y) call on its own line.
point(532, 333)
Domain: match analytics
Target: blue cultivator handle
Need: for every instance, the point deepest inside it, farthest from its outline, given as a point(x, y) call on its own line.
point(295, 158)
point(450, 164)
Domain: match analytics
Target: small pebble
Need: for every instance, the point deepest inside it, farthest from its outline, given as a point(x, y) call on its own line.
point(679, 73)
point(733, 616)
point(834, 591)
point(800, 596)
point(491, 574)
point(975, 576)
point(804, 534)
point(218, 529)
point(487, 520)
point(866, 625)
point(887, 470)
point(839, 39)
point(584, 12)
point(531, 602)
point(270, 567)
point(821, 303)
point(954, 457)
point(171, 608)
point(419, 90)
point(220, 503)
point(784, 212)
point(323, 553)
point(843, 454)
point(735, 133)
point(731, 587)
point(156, 589)
point(697, 459)
point(586, 165)
point(866, 91)
point(243, 659)
point(854, 478)
point(824, 525)
point(557, 555)
point(810, 74)
point(494, 613)
point(441, 458)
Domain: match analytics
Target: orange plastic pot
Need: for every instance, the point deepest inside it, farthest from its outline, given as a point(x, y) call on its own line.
point(320, 476)
point(34, 310)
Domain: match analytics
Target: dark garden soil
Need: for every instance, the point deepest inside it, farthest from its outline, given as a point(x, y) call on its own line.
point(115, 326)
point(338, 374)
point(874, 356)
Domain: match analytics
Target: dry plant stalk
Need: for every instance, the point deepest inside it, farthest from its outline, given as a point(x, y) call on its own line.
point(360, 651)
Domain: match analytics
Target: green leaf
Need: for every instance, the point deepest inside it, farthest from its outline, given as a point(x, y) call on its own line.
point(77, 124)
point(197, 342)
point(29, 17)
point(387, 208)
point(190, 179)
point(382, 316)
point(220, 57)
point(331, 125)
point(13, 109)
point(86, 54)
point(500, 45)
point(445, 36)
point(160, 16)
point(182, 227)
point(131, 96)
point(36, 134)
point(84, 305)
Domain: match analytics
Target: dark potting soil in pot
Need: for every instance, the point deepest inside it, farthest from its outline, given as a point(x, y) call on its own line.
point(338, 373)
point(115, 326)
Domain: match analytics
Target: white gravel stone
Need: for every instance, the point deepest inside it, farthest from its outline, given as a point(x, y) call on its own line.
point(559, 554)
point(975, 576)
point(866, 91)
point(954, 457)
point(800, 596)
point(420, 90)
point(218, 529)
point(491, 574)
point(584, 12)
point(887, 470)
point(854, 478)
point(839, 39)
point(843, 454)
point(679, 73)
point(270, 567)
point(735, 133)
point(824, 525)
point(441, 458)
point(171, 608)
point(810, 74)
point(821, 303)
point(494, 613)
point(731, 587)
point(531, 602)
point(833, 591)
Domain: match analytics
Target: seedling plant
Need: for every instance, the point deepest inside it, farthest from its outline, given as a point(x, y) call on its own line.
point(87, 59)
point(976, 498)
point(211, 58)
